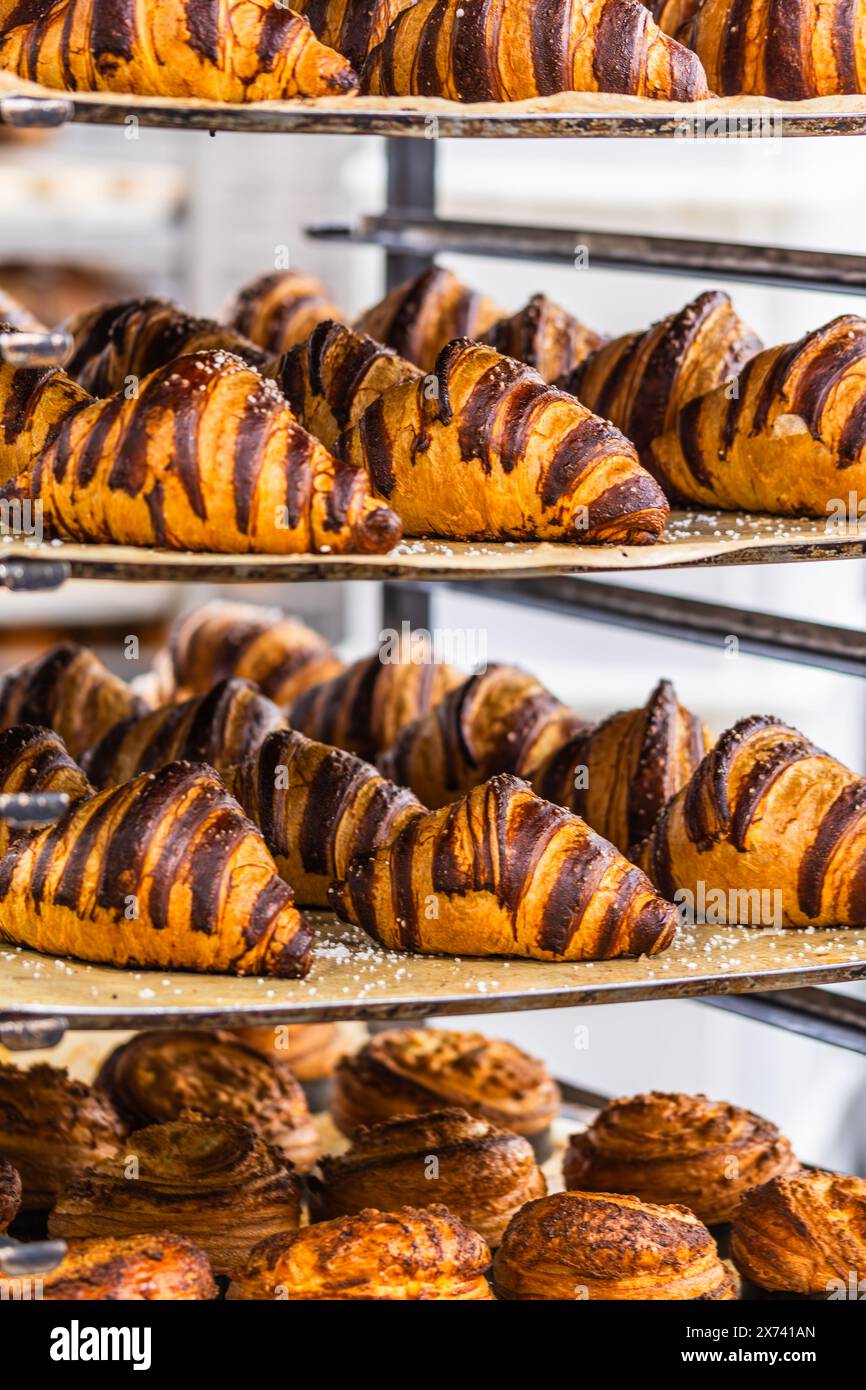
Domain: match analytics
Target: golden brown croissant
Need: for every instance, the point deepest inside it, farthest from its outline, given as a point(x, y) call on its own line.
point(642, 380)
point(804, 1234)
point(34, 402)
point(353, 27)
point(10, 1193)
point(671, 15)
point(152, 1268)
point(769, 831)
point(622, 773)
point(485, 449)
point(157, 1075)
point(462, 50)
point(32, 761)
point(164, 871)
point(280, 309)
point(222, 728)
point(419, 317)
point(409, 1071)
point(317, 807)
point(68, 690)
point(330, 379)
point(544, 336)
point(217, 1182)
point(666, 1147)
point(402, 1255)
point(237, 50)
point(502, 720)
point(50, 1127)
point(483, 1175)
point(588, 1245)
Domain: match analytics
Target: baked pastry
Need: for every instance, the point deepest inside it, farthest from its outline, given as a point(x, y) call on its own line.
point(10, 1192)
point(67, 689)
point(666, 1147)
point(51, 1126)
point(332, 377)
point(790, 440)
point(153, 1268)
point(503, 873)
point(450, 48)
point(311, 1050)
point(622, 773)
point(222, 728)
point(280, 309)
point(353, 27)
point(240, 51)
point(34, 402)
point(544, 336)
point(804, 1234)
point(217, 1182)
point(164, 871)
point(400, 1256)
point(597, 1245)
point(158, 1075)
point(317, 807)
point(769, 831)
point(420, 316)
point(485, 449)
point(483, 1175)
point(671, 15)
point(642, 380)
point(33, 761)
point(502, 720)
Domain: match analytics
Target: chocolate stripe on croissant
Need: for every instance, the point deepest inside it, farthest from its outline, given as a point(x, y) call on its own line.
point(34, 760)
point(353, 27)
point(279, 309)
point(544, 336)
point(418, 318)
point(68, 690)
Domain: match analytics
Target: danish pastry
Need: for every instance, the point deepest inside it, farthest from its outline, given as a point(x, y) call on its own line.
point(150, 1268)
point(804, 1233)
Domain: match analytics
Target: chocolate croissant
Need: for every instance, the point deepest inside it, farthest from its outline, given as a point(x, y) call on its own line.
point(240, 51)
point(34, 402)
point(33, 761)
point(450, 48)
point(280, 309)
point(544, 336)
point(156, 1076)
point(164, 871)
point(399, 1256)
point(216, 1182)
point(419, 317)
point(503, 873)
point(10, 1193)
point(620, 775)
point(484, 448)
point(353, 27)
point(587, 1245)
point(768, 831)
point(803, 1234)
point(51, 1127)
point(483, 1175)
point(317, 807)
point(788, 437)
point(69, 691)
point(666, 1147)
point(151, 1268)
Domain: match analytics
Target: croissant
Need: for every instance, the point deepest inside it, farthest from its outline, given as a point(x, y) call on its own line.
point(452, 48)
point(485, 449)
point(642, 380)
point(768, 831)
point(34, 402)
point(419, 317)
point(481, 1174)
point(51, 1126)
point(330, 379)
point(790, 439)
point(68, 690)
point(206, 456)
point(665, 1148)
point(164, 871)
point(805, 1234)
point(671, 15)
point(621, 774)
point(317, 807)
point(544, 336)
point(587, 1245)
point(222, 728)
point(216, 1182)
point(239, 50)
point(33, 761)
point(353, 27)
point(280, 309)
point(501, 720)
point(150, 1268)
point(10, 1193)
point(157, 1075)
point(399, 1256)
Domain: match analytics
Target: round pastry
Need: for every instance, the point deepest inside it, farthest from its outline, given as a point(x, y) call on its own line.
point(803, 1234)
point(481, 1174)
point(580, 1245)
point(409, 1070)
point(152, 1268)
point(312, 1050)
point(51, 1128)
point(399, 1255)
point(156, 1076)
point(10, 1193)
point(665, 1147)
point(215, 1181)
